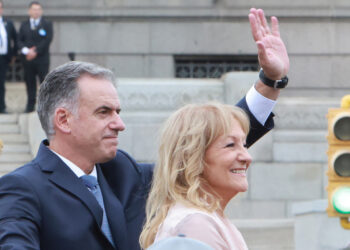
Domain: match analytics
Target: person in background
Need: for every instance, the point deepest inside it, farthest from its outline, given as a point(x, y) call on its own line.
point(203, 159)
point(8, 51)
point(35, 36)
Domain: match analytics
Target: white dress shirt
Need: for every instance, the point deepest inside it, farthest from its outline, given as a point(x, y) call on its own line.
point(260, 106)
point(3, 38)
point(76, 170)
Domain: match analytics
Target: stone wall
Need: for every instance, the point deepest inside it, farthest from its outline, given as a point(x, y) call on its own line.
point(139, 38)
point(146, 103)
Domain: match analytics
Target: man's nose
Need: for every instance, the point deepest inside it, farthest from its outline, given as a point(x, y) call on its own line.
point(117, 123)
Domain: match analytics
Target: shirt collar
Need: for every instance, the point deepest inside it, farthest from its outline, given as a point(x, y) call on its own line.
point(76, 170)
point(35, 21)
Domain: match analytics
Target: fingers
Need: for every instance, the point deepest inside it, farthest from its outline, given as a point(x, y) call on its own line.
point(254, 27)
point(259, 25)
point(275, 26)
point(264, 26)
point(262, 54)
point(255, 24)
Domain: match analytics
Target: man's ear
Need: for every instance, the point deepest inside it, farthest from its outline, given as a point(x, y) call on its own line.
point(61, 120)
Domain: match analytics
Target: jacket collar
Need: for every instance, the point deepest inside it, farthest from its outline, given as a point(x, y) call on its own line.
point(62, 176)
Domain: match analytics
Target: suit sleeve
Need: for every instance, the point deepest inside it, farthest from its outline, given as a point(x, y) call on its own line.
point(13, 41)
point(21, 37)
point(147, 170)
point(256, 129)
point(19, 214)
point(44, 44)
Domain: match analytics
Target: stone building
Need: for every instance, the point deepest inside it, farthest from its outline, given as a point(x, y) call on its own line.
point(148, 38)
point(151, 44)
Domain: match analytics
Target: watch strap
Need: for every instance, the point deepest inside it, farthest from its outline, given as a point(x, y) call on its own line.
point(277, 84)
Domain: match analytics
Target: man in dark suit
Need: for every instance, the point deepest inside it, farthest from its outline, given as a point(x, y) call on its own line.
point(50, 204)
point(35, 36)
point(8, 50)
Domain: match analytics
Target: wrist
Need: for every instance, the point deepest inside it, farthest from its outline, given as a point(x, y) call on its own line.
point(266, 91)
point(273, 83)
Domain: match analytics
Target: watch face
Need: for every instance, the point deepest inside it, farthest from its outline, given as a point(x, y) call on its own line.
point(280, 84)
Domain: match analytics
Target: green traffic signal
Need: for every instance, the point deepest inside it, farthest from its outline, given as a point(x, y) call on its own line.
point(341, 200)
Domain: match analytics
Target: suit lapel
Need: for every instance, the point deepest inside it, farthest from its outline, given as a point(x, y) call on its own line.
point(63, 177)
point(73, 185)
point(115, 212)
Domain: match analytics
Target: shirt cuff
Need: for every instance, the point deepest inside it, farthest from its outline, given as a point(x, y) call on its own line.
point(25, 50)
point(260, 106)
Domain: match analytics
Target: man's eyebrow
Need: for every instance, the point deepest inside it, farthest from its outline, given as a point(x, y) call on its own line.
point(118, 109)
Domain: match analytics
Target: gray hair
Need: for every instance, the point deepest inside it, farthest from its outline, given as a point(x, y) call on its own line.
point(60, 89)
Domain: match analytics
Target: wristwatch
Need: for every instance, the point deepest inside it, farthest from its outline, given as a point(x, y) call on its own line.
point(276, 84)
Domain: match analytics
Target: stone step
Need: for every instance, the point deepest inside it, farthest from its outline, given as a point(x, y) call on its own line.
point(304, 135)
point(9, 128)
point(303, 112)
point(8, 118)
point(310, 217)
point(15, 157)
point(8, 167)
point(267, 234)
point(286, 181)
point(2, 173)
point(15, 148)
point(13, 138)
point(299, 146)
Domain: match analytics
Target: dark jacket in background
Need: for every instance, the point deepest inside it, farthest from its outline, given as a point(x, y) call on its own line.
point(40, 37)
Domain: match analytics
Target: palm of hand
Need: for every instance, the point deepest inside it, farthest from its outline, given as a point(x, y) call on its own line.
point(276, 61)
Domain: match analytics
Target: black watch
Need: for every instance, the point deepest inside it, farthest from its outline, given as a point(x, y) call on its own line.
point(276, 84)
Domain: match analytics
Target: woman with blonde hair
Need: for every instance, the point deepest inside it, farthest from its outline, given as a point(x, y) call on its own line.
point(201, 166)
point(203, 159)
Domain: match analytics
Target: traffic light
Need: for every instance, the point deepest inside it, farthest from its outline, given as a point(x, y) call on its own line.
point(339, 162)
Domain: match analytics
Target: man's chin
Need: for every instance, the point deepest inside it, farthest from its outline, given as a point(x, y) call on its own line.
point(108, 156)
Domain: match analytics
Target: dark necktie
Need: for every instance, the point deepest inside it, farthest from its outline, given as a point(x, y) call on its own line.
point(92, 184)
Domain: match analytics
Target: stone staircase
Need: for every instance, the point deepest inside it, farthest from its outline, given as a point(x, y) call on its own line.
point(16, 149)
point(267, 234)
point(13, 130)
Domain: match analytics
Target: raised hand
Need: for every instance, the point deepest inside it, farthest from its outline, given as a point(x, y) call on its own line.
point(272, 53)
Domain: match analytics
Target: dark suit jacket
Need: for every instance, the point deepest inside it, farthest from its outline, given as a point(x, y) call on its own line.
point(41, 37)
point(44, 205)
point(11, 38)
